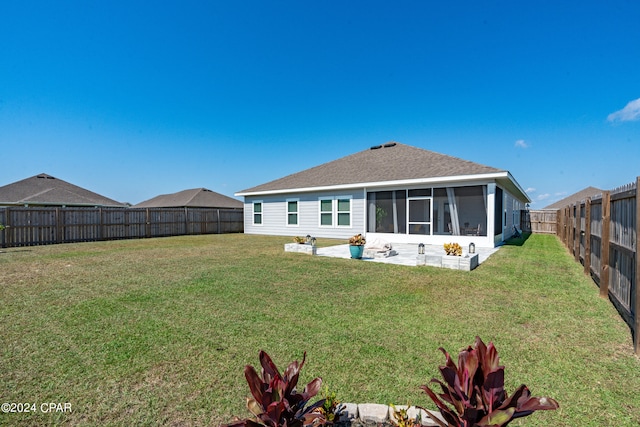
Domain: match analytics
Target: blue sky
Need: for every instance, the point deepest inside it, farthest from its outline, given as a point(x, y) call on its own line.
point(134, 99)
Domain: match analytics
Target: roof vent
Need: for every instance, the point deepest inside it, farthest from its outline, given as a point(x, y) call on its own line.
point(376, 147)
point(390, 144)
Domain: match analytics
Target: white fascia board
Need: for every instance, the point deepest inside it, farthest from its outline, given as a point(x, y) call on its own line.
point(519, 187)
point(372, 185)
point(513, 185)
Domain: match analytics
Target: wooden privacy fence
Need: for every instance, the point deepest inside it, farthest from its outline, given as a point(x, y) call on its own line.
point(26, 226)
point(539, 221)
point(602, 234)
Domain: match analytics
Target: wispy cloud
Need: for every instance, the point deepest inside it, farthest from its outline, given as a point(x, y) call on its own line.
point(521, 143)
point(543, 196)
point(630, 113)
point(530, 190)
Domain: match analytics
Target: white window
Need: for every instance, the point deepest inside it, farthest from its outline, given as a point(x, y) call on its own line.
point(326, 212)
point(343, 209)
point(292, 212)
point(257, 212)
point(335, 211)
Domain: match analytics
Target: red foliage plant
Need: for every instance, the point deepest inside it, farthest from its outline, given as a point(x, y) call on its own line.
point(275, 402)
point(473, 391)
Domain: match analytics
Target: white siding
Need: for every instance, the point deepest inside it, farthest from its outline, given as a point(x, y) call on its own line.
point(274, 215)
point(511, 210)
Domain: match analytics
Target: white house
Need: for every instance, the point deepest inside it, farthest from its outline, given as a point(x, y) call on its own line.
point(394, 192)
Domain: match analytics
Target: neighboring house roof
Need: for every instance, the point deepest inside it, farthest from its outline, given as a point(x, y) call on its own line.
point(574, 198)
point(46, 190)
point(382, 164)
point(194, 198)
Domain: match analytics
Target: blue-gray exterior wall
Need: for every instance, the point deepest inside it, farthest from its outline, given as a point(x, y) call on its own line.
point(274, 221)
point(274, 215)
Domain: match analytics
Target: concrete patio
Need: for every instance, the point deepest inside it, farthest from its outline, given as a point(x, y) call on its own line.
point(407, 253)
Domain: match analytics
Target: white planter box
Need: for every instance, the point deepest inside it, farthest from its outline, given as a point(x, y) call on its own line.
point(466, 263)
point(469, 263)
point(433, 260)
point(451, 261)
point(300, 247)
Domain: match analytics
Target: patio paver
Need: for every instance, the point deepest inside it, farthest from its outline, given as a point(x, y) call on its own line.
point(406, 253)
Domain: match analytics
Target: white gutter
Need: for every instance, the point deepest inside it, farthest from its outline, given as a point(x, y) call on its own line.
point(515, 184)
point(405, 182)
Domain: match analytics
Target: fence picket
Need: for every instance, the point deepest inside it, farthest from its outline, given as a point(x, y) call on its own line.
point(608, 247)
point(31, 226)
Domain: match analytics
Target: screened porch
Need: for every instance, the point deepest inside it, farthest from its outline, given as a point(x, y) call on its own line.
point(437, 211)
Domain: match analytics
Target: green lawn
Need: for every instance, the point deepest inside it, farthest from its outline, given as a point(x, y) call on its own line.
point(157, 331)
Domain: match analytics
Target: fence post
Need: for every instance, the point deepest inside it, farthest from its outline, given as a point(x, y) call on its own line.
point(572, 230)
point(147, 223)
point(636, 301)
point(604, 248)
point(578, 232)
point(567, 224)
point(587, 236)
point(560, 224)
point(568, 243)
point(101, 232)
point(59, 231)
point(186, 221)
point(7, 231)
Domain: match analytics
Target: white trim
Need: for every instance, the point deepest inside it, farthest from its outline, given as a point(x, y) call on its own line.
point(321, 212)
point(253, 213)
point(287, 213)
point(407, 182)
point(350, 212)
point(409, 223)
point(334, 211)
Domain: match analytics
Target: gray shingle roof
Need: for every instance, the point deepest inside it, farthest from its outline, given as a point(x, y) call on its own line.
point(574, 198)
point(45, 189)
point(388, 162)
point(194, 198)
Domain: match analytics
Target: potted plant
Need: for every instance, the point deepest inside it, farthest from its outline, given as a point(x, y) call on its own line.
point(356, 246)
point(453, 249)
point(381, 214)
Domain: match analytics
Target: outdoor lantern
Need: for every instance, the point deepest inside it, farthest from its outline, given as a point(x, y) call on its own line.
point(421, 249)
point(313, 241)
point(308, 238)
point(472, 248)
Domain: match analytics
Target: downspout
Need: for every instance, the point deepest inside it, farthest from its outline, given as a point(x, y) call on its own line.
point(364, 208)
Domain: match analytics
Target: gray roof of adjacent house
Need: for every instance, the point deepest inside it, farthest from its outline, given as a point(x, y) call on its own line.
point(379, 165)
point(574, 198)
point(194, 198)
point(46, 190)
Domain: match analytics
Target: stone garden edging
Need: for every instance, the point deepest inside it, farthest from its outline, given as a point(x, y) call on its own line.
point(378, 413)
